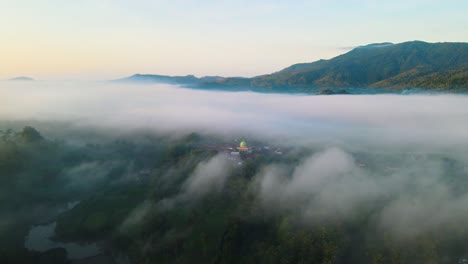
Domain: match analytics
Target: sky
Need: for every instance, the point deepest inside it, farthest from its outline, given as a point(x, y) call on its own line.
point(107, 39)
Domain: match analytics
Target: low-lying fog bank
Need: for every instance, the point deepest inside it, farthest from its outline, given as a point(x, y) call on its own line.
point(380, 119)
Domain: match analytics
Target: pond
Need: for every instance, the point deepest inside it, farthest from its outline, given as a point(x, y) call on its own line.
point(40, 237)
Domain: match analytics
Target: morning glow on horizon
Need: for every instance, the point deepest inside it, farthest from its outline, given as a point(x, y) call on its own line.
point(95, 40)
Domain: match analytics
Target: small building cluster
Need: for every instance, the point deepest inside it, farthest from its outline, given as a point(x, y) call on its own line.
point(245, 152)
point(241, 152)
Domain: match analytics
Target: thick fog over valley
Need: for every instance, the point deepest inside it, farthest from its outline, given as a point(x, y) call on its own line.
point(186, 167)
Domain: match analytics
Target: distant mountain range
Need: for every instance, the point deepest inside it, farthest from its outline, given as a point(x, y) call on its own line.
point(381, 67)
point(181, 80)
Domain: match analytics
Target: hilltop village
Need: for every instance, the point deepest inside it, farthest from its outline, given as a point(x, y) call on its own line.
point(242, 151)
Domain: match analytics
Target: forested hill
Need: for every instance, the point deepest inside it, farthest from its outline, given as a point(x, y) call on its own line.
point(415, 64)
point(409, 64)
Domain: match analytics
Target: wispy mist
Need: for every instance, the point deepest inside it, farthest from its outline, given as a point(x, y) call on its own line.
point(416, 196)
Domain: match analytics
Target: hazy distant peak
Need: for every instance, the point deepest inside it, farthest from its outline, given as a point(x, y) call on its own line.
point(21, 78)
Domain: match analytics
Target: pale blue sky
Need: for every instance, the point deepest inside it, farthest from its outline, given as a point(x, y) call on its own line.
point(101, 39)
